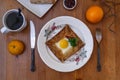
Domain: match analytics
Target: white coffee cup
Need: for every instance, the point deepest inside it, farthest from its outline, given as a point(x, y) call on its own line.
point(21, 25)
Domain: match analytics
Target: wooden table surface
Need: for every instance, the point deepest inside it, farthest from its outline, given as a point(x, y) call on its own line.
point(12, 68)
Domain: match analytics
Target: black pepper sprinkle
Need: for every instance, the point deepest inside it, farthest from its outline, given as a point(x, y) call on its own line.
point(70, 3)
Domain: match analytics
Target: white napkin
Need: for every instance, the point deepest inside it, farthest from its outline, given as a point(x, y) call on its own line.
point(38, 9)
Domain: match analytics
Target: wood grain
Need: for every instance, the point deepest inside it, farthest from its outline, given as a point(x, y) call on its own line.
point(12, 68)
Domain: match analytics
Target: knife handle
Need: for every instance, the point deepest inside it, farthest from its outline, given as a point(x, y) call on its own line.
point(32, 60)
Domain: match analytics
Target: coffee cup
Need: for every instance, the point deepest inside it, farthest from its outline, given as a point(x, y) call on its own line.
point(13, 21)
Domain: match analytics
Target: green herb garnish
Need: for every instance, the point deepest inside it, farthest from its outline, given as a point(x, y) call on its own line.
point(73, 41)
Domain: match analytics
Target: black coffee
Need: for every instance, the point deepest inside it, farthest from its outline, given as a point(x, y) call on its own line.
point(14, 21)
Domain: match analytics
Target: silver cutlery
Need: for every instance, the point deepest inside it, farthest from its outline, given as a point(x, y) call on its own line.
point(32, 42)
point(98, 39)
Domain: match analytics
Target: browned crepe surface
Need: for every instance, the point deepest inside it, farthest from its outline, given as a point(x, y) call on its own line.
point(66, 31)
point(43, 1)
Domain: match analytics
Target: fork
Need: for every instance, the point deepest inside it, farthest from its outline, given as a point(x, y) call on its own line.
point(98, 39)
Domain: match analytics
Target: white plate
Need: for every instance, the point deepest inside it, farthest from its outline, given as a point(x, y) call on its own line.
point(38, 9)
point(76, 61)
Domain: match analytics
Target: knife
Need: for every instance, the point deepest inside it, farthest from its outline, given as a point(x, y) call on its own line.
point(32, 42)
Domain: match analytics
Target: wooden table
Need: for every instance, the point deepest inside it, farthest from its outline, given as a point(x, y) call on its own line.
point(12, 68)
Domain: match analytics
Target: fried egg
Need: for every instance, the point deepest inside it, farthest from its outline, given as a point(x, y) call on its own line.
point(63, 45)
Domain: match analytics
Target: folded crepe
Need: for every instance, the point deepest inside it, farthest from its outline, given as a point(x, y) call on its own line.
point(65, 32)
point(43, 1)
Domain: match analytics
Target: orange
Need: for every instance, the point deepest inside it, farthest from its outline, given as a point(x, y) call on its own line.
point(94, 14)
point(16, 47)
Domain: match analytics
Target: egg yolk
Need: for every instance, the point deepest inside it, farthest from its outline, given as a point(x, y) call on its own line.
point(63, 43)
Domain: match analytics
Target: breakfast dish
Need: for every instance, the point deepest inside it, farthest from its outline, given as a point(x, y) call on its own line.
point(65, 43)
point(74, 61)
point(43, 1)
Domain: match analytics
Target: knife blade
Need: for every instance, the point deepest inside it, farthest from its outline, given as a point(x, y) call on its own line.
point(32, 43)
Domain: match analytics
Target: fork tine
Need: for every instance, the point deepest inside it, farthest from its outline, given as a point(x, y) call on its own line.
point(98, 35)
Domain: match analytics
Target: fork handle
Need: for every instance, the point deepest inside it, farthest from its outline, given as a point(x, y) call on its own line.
point(98, 59)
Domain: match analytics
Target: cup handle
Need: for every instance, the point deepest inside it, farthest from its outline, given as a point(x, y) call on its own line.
point(4, 30)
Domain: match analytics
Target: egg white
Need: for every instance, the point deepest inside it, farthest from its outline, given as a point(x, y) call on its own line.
point(64, 50)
